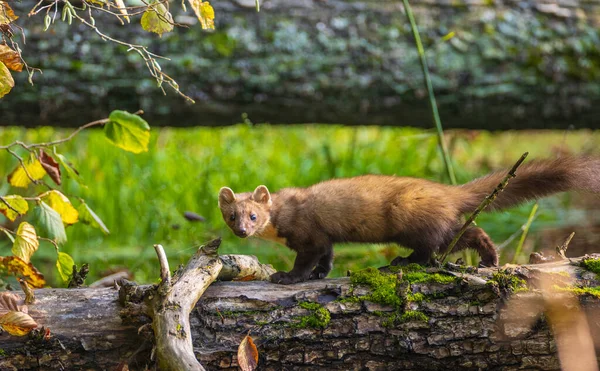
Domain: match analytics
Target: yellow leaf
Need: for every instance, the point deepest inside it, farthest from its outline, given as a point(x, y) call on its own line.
point(448, 36)
point(17, 323)
point(19, 178)
point(16, 202)
point(17, 267)
point(157, 19)
point(247, 355)
point(205, 13)
point(61, 204)
point(11, 58)
point(6, 80)
point(6, 13)
point(26, 242)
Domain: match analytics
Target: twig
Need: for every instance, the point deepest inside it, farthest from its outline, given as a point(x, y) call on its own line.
point(165, 273)
point(429, 85)
point(29, 295)
point(22, 165)
point(59, 141)
point(525, 231)
point(485, 203)
point(562, 249)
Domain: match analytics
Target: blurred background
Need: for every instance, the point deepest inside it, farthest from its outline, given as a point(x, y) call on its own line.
point(302, 92)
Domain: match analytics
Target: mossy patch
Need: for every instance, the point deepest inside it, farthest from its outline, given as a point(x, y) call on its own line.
point(424, 277)
point(416, 297)
point(319, 318)
point(592, 265)
point(508, 282)
point(383, 286)
point(593, 291)
point(414, 315)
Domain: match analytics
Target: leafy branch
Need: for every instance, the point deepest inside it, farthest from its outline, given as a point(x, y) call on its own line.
point(53, 209)
point(155, 17)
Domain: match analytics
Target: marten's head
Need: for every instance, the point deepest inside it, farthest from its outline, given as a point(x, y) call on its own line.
point(245, 213)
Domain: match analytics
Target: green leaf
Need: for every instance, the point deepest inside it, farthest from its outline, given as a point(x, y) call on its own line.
point(26, 242)
point(157, 19)
point(16, 202)
point(62, 205)
point(6, 80)
point(64, 265)
point(128, 131)
point(50, 222)
point(71, 172)
point(87, 216)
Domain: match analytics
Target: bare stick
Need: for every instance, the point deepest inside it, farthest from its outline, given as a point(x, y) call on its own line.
point(171, 309)
point(485, 203)
point(29, 295)
point(165, 273)
point(562, 249)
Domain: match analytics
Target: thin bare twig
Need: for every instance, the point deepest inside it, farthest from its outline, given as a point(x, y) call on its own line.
point(165, 273)
point(485, 203)
point(562, 249)
point(29, 295)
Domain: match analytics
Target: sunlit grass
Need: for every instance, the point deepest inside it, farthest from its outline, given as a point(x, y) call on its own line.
point(141, 198)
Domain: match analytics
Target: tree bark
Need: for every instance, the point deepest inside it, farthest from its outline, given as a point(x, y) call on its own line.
point(471, 323)
point(494, 65)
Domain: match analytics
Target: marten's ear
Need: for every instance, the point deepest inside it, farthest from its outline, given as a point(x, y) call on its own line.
point(226, 196)
point(261, 195)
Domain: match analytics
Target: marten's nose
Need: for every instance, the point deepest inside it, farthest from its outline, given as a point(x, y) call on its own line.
point(243, 231)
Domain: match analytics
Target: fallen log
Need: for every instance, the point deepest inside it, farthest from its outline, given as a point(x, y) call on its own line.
point(410, 318)
point(494, 65)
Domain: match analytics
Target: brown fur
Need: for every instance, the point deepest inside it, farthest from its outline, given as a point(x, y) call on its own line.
point(416, 213)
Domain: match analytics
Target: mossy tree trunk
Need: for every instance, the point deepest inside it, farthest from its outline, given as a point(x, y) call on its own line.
point(494, 64)
point(413, 320)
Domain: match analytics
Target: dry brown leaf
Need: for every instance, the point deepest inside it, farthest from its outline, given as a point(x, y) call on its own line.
point(247, 355)
point(9, 302)
point(17, 323)
point(16, 266)
point(7, 15)
point(51, 166)
point(10, 58)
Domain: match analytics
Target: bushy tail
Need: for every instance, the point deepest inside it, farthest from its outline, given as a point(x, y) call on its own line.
point(535, 179)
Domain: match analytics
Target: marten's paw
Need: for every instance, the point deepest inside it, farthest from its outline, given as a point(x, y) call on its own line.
point(317, 274)
point(488, 264)
point(285, 278)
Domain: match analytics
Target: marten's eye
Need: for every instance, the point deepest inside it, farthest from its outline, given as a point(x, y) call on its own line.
point(232, 217)
point(253, 217)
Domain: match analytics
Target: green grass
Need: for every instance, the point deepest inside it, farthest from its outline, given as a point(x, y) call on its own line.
point(141, 198)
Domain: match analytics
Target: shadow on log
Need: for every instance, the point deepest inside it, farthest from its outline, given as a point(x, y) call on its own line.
point(413, 319)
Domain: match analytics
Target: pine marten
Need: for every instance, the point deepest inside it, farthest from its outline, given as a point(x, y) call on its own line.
point(419, 214)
